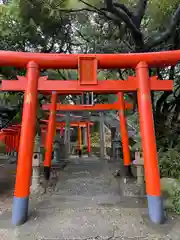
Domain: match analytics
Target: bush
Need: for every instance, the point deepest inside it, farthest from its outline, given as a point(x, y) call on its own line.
point(95, 140)
point(176, 200)
point(169, 163)
point(171, 192)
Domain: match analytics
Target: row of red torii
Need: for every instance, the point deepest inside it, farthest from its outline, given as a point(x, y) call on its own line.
point(87, 66)
point(10, 136)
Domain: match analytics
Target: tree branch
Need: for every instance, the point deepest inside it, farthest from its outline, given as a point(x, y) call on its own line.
point(5, 1)
point(120, 12)
point(120, 74)
point(109, 16)
point(167, 34)
point(124, 8)
point(61, 75)
point(76, 10)
point(82, 36)
point(89, 5)
point(108, 3)
point(101, 12)
point(136, 34)
point(48, 50)
point(139, 14)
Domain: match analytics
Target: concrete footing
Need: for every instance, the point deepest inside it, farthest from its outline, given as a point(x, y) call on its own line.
point(20, 210)
point(156, 209)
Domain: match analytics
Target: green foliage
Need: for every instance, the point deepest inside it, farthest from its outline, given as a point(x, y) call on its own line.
point(77, 4)
point(159, 12)
point(176, 200)
point(169, 163)
point(170, 188)
point(11, 34)
point(133, 120)
point(31, 26)
point(95, 140)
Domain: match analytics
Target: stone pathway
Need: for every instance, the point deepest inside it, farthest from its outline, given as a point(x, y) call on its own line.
point(87, 203)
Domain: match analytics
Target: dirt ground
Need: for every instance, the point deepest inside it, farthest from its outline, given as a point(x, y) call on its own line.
point(88, 202)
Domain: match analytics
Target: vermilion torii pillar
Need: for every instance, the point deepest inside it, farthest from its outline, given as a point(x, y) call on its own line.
point(88, 139)
point(61, 132)
point(102, 137)
point(67, 133)
point(24, 167)
point(79, 141)
point(155, 202)
point(50, 136)
point(124, 135)
point(87, 66)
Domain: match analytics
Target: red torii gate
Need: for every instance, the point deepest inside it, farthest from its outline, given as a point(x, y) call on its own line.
point(87, 66)
point(10, 136)
point(50, 135)
point(60, 126)
point(120, 105)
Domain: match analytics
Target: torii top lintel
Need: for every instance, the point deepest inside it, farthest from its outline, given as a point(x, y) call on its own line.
point(104, 61)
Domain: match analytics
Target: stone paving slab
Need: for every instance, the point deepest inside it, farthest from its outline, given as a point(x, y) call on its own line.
point(88, 204)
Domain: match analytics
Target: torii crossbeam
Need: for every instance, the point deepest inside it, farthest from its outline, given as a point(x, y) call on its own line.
point(85, 85)
point(85, 107)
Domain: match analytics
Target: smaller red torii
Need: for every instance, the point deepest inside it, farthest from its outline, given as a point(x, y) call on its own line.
point(10, 136)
